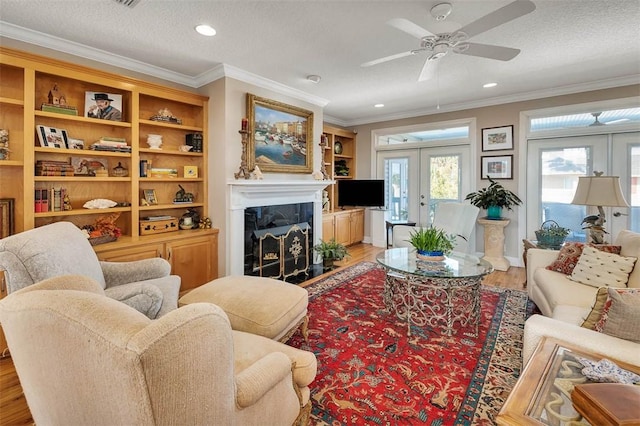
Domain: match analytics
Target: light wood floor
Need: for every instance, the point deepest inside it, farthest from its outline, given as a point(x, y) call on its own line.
point(13, 407)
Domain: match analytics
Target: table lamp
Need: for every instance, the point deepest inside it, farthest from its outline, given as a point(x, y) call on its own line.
point(600, 191)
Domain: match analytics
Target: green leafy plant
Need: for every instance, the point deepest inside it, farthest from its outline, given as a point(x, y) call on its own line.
point(432, 239)
point(331, 250)
point(494, 195)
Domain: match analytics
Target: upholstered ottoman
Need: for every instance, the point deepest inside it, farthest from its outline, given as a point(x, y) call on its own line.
point(257, 305)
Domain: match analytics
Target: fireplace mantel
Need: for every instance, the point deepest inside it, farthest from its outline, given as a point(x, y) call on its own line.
point(256, 193)
point(246, 193)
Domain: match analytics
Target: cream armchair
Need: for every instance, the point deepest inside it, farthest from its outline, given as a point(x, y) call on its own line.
point(458, 219)
point(61, 248)
point(83, 358)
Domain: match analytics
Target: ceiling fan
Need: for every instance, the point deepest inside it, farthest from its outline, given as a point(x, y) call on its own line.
point(438, 45)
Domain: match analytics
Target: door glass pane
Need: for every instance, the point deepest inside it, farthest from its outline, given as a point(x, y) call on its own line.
point(444, 181)
point(396, 181)
point(634, 188)
point(559, 179)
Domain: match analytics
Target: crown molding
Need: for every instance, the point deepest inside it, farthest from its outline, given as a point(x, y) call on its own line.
point(226, 70)
point(518, 97)
point(219, 71)
point(56, 43)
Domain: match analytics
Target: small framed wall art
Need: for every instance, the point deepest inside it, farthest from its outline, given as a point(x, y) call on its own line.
point(105, 106)
point(497, 167)
point(6, 217)
point(497, 138)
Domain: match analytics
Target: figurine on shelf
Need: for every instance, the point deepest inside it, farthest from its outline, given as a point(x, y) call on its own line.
point(66, 203)
point(183, 196)
point(166, 115)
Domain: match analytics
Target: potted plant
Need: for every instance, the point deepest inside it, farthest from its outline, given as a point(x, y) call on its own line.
point(330, 251)
point(431, 243)
point(494, 198)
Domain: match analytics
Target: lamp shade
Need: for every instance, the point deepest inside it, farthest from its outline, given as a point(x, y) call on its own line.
point(599, 191)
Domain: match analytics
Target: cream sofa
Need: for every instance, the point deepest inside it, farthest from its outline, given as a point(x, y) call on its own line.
point(565, 304)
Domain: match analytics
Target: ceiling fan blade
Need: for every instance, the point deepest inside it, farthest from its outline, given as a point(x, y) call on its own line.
point(387, 58)
point(409, 28)
point(428, 69)
point(503, 15)
point(492, 52)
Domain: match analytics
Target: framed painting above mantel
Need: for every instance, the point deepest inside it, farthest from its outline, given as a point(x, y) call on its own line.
point(280, 136)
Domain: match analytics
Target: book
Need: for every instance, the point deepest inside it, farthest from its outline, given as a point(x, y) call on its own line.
point(38, 200)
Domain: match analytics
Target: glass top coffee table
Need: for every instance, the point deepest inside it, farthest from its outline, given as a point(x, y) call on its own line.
point(434, 294)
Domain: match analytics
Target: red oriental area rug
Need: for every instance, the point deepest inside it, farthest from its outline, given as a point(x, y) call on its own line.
point(371, 373)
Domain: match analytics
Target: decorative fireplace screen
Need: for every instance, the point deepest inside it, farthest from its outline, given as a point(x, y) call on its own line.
point(283, 251)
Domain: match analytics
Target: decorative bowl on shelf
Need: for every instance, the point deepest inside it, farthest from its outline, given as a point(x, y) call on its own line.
point(154, 141)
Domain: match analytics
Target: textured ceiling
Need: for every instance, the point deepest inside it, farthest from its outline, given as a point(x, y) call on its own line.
point(566, 46)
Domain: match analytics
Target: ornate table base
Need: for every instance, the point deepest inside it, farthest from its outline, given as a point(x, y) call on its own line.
point(437, 302)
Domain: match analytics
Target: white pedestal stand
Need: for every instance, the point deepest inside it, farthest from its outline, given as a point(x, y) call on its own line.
point(494, 242)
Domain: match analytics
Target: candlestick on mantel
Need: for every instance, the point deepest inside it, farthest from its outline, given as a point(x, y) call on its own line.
point(243, 172)
point(245, 124)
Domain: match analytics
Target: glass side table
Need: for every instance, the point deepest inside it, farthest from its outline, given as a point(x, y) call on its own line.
point(542, 395)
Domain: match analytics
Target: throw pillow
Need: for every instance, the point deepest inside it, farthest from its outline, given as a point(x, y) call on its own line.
point(596, 309)
point(570, 254)
point(597, 268)
point(621, 314)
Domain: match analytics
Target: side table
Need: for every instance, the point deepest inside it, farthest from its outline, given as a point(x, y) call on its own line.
point(494, 242)
point(542, 394)
point(391, 223)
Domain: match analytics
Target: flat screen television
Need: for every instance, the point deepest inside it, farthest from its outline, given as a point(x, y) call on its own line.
point(361, 193)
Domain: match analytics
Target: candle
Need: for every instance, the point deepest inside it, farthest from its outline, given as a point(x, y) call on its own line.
point(245, 124)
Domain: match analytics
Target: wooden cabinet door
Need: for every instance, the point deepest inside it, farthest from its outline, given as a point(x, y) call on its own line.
point(195, 260)
point(328, 230)
point(147, 251)
point(343, 228)
point(357, 226)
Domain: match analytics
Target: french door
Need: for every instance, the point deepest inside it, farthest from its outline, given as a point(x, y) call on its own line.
point(554, 166)
point(418, 179)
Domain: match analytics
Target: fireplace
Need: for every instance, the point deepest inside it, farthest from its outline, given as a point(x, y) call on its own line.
point(254, 198)
point(278, 240)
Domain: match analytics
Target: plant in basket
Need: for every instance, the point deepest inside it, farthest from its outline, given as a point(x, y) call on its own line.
point(551, 235)
point(104, 230)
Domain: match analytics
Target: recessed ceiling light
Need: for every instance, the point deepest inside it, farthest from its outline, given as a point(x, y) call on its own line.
point(206, 30)
point(378, 105)
point(486, 86)
point(314, 78)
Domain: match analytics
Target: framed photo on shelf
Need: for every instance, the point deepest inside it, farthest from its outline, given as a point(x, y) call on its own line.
point(150, 196)
point(280, 136)
point(51, 137)
point(190, 172)
point(6, 217)
point(105, 106)
point(497, 138)
point(497, 167)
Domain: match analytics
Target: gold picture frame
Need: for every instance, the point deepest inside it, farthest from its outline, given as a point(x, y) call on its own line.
point(6, 217)
point(280, 136)
point(150, 196)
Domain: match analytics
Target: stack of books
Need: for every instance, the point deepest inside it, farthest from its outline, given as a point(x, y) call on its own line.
point(50, 200)
point(111, 144)
point(159, 172)
point(60, 109)
point(53, 168)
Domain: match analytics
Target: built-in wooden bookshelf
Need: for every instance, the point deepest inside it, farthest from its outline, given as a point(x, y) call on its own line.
point(25, 85)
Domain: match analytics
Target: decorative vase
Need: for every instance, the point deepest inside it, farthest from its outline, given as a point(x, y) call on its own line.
point(430, 256)
point(494, 212)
